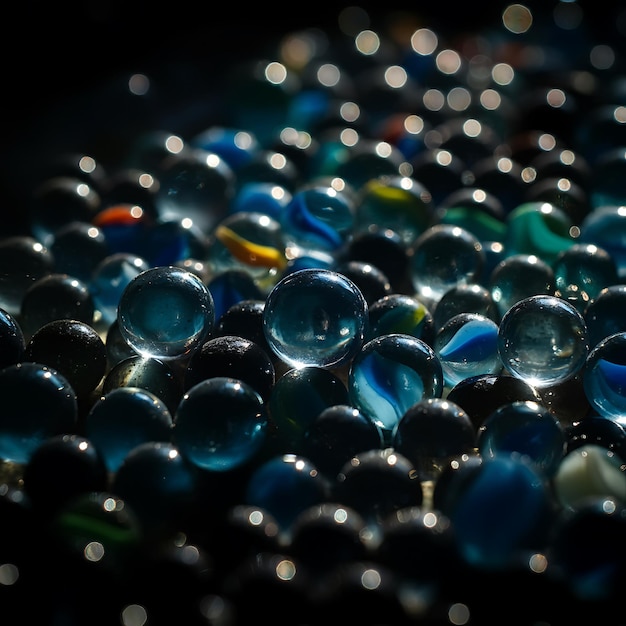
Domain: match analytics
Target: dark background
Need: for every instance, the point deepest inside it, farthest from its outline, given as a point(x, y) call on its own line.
point(60, 60)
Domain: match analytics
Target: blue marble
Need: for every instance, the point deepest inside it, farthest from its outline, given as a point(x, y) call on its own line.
point(286, 485)
point(124, 418)
point(110, 278)
point(390, 374)
point(235, 146)
point(543, 340)
point(39, 403)
point(431, 432)
point(231, 287)
point(604, 378)
point(261, 197)
point(525, 428)
point(166, 312)
point(467, 345)
point(401, 313)
point(315, 317)
point(499, 509)
point(605, 227)
point(443, 257)
point(220, 424)
point(319, 218)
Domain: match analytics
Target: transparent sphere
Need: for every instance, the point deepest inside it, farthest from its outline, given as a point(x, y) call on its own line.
point(390, 374)
point(443, 257)
point(467, 345)
point(543, 340)
point(220, 423)
point(315, 317)
point(166, 312)
point(604, 377)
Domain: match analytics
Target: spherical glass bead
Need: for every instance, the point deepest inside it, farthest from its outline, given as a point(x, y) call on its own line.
point(440, 171)
point(606, 314)
point(74, 349)
point(517, 277)
point(605, 227)
point(315, 317)
point(370, 280)
point(525, 428)
point(23, 260)
point(232, 286)
point(285, 486)
point(110, 278)
point(260, 197)
point(401, 313)
point(467, 345)
point(390, 374)
point(470, 298)
point(443, 257)
point(431, 432)
point(543, 340)
point(166, 312)
point(235, 146)
point(124, 418)
point(604, 377)
point(220, 424)
point(39, 403)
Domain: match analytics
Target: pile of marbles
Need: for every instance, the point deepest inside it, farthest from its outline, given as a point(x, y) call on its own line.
point(353, 338)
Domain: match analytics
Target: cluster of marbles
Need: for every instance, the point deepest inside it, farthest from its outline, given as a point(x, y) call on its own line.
point(356, 341)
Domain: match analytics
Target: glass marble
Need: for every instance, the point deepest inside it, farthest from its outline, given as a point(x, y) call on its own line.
point(385, 249)
point(502, 177)
point(605, 227)
point(400, 203)
point(235, 146)
point(604, 377)
point(77, 249)
point(160, 485)
point(481, 395)
point(370, 280)
point(123, 418)
point(171, 241)
point(23, 260)
point(338, 433)
point(130, 185)
point(110, 278)
point(125, 227)
point(585, 268)
point(59, 200)
point(286, 485)
point(196, 185)
point(12, 340)
point(232, 286)
point(315, 317)
point(261, 197)
point(538, 228)
point(319, 218)
point(525, 428)
point(563, 194)
point(220, 424)
point(298, 397)
point(468, 139)
point(401, 313)
point(597, 430)
point(604, 316)
point(500, 509)
point(234, 357)
point(517, 277)
point(166, 312)
point(470, 298)
point(390, 374)
point(443, 257)
point(562, 163)
point(39, 403)
point(74, 349)
point(375, 483)
point(431, 432)
point(251, 241)
point(476, 210)
point(543, 340)
point(467, 345)
point(62, 468)
point(55, 297)
point(154, 375)
point(589, 471)
point(270, 166)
